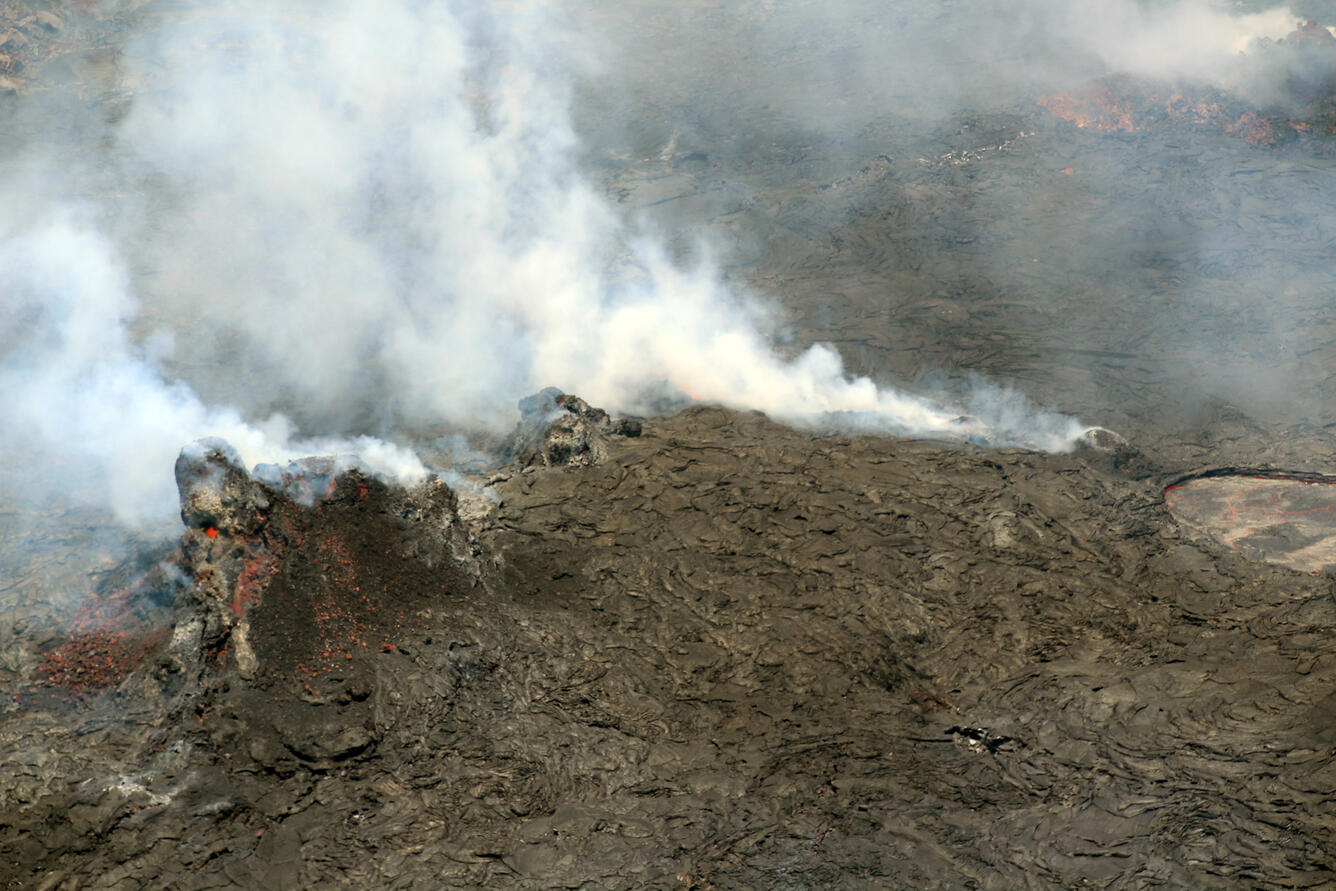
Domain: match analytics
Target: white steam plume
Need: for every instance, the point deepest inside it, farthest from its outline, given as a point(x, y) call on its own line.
point(86, 409)
point(1188, 39)
point(1184, 38)
point(370, 215)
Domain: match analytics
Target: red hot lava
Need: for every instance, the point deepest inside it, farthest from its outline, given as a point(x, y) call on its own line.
point(1119, 103)
point(111, 636)
point(95, 660)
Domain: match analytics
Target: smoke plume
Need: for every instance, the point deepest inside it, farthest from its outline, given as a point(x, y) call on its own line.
point(1188, 39)
point(1191, 40)
point(88, 409)
point(347, 221)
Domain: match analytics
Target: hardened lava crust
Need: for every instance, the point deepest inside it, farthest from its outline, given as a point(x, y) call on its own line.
point(726, 654)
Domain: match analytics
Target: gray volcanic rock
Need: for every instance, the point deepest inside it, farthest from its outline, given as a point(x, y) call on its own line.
point(222, 507)
point(276, 634)
point(558, 429)
point(216, 491)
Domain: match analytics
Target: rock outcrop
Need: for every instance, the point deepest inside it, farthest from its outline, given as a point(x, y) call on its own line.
point(557, 429)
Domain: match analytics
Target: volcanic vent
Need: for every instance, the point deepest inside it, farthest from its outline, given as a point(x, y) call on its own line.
point(294, 583)
point(300, 585)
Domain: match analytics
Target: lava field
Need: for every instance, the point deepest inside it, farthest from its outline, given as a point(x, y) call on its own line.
point(692, 646)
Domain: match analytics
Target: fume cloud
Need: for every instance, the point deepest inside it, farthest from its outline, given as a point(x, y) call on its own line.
point(88, 413)
point(369, 218)
point(1194, 40)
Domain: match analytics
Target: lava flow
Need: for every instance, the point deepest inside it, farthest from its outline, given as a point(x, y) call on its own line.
point(1289, 520)
point(1122, 103)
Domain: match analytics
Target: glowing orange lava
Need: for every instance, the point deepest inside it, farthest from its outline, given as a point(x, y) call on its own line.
point(1098, 108)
